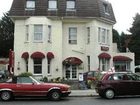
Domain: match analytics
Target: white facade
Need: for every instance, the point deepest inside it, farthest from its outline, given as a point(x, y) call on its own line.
point(88, 47)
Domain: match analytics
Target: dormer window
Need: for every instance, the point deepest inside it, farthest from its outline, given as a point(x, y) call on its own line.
point(106, 8)
point(30, 4)
point(70, 5)
point(52, 5)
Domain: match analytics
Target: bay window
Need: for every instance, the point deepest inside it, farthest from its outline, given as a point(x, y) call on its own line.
point(73, 35)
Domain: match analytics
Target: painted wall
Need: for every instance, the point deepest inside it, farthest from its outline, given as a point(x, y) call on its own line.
point(59, 44)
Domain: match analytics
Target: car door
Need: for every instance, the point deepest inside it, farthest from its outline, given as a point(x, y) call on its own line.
point(121, 86)
point(135, 82)
point(26, 87)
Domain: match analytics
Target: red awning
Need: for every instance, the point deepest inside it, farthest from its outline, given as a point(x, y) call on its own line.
point(121, 58)
point(104, 55)
point(37, 55)
point(50, 55)
point(25, 55)
point(72, 61)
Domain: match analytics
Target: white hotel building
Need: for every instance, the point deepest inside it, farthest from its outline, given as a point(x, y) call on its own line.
point(62, 38)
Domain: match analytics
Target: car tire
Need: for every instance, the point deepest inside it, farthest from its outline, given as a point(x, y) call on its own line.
point(55, 95)
point(6, 95)
point(109, 94)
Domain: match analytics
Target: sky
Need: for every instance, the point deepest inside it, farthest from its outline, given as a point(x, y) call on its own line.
point(124, 10)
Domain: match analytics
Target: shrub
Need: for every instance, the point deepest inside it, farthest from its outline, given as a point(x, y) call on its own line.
point(26, 74)
point(44, 79)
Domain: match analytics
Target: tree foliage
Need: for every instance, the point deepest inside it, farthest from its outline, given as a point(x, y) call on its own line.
point(116, 38)
point(134, 44)
point(6, 35)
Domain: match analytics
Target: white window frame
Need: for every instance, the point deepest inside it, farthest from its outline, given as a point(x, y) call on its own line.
point(103, 36)
point(72, 35)
point(52, 4)
point(72, 69)
point(104, 64)
point(88, 62)
point(38, 34)
point(30, 4)
point(27, 33)
point(123, 63)
point(49, 33)
point(106, 8)
point(88, 35)
point(70, 5)
point(37, 65)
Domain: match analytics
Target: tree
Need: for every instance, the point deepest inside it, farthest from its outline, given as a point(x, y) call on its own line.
point(134, 45)
point(6, 35)
point(116, 38)
point(122, 42)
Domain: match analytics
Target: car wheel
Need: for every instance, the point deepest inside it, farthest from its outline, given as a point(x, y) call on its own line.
point(109, 94)
point(55, 95)
point(5, 95)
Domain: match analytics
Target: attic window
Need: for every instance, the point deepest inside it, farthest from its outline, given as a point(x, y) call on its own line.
point(30, 4)
point(52, 5)
point(70, 5)
point(106, 8)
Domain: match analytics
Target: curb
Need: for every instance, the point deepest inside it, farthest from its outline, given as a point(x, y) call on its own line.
point(83, 93)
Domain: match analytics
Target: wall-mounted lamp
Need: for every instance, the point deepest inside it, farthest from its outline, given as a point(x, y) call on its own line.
point(18, 65)
point(57, 69)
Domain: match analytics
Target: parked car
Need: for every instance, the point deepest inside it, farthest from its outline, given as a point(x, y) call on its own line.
point(116, 84)
point(29, 86)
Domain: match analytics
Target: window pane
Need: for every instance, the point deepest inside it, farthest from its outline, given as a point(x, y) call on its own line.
point(49, 32)
point(27, 33)
point(67, 72)
point(38, 29)
point(74, 72)
point(52, 4)
point(103, 35)
point(37, 66)
point(70, 4)
point(88, 35)
point(73, 35)
point(30, 4)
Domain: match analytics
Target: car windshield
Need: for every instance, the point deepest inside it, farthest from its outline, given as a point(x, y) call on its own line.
point(34, 79)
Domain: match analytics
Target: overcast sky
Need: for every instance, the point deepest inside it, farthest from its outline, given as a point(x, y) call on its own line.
point(124, 11)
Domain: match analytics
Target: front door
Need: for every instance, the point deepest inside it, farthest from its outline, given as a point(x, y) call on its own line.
point(71, 72)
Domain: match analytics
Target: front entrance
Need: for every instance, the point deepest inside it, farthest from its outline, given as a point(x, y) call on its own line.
point(71, 72)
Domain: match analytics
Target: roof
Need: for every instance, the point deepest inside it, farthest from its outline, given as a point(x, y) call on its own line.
point(84, 8)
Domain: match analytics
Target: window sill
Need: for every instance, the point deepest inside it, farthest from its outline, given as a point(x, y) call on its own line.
point(52, 9)
point(29, 9)
point(38, 42)
point(71, 10)
point(26, 42)
point(104, 44)
point(49, 75)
